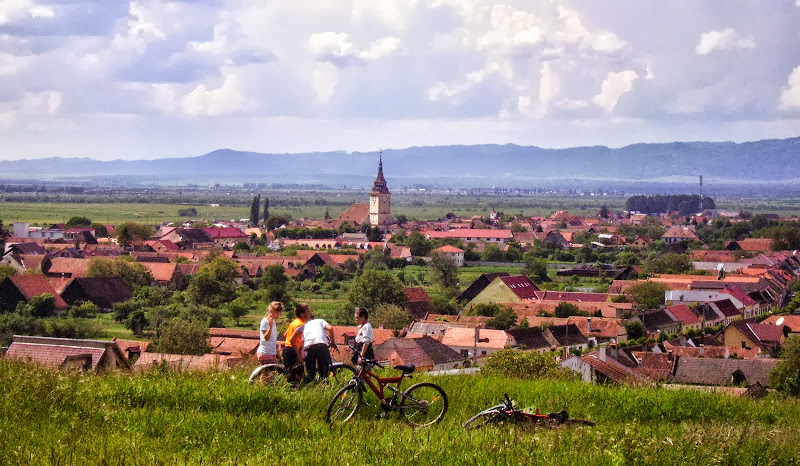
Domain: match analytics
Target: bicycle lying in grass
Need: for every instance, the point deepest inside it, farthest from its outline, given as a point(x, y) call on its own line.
point(422, 404)
point(506, 411)
point(276, 373)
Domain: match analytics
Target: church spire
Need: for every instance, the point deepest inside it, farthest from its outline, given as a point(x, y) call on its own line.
point(379, 186)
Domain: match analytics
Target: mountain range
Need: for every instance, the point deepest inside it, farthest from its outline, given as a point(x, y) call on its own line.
point(775, 161)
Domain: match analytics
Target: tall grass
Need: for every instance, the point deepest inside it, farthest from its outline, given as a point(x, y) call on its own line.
point(217, 418)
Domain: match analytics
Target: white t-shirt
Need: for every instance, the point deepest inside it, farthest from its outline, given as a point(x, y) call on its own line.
point(314, 333)
point(268, 347)
point(365, 334)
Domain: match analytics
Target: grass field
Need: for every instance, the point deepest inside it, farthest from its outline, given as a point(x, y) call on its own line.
point(217, 418)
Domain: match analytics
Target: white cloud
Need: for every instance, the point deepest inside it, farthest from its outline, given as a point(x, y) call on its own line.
point(614, 86)
point(725, 39)
point(338, 48)
point(790, 97)
point(46, 103)
point(548, 86)
point(227, 99)
point(324, 79)
point(42, 12)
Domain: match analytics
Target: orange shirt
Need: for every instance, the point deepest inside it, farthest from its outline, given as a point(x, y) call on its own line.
point(289, 331)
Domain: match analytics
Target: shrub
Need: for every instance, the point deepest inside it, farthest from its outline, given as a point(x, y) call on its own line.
point(526, 365)
point(182, 337)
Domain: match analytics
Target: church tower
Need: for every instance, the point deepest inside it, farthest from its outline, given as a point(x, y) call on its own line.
point(380, 210)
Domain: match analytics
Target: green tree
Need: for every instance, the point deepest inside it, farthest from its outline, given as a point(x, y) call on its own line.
point(492, 253)
point(535, 268)
point(275, 221)
point(503, 319)
point(83, 310)
point(7, 271)
point(254, 206)
point(42, 305)
point(786, 375)
point(133, 273)
point(569, 309)
point(4, 234)
point(626, 258)
point(214, 283)
point(647, 295)
point(390, 316)
point(128, 232)
point(238, 308)
point(419, 245)
point(266, 209)
point(670, 262)
point(137, 321)
point(485, 309)
point(77, 222)
point(443, 270)
point(517, 364)
point(180, 336)
point(375, 287)
point(635, 329)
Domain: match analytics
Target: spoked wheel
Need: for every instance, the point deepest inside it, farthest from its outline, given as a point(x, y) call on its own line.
point(268, 374)
point(423, 404)
point(340, 375)
point(344, 404)
point(488, 416)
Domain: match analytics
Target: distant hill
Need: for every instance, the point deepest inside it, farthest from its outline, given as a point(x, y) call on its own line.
point(768, 161)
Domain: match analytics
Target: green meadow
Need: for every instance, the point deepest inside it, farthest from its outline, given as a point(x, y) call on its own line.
point(161, 417)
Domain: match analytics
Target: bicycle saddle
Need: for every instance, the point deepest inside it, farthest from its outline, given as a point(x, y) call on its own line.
point(561, 416)
point(406, 368)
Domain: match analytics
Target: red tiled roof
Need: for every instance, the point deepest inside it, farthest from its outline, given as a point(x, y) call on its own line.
point(31, 285)
point(613, 369)
point(448, 249)
point(68, 266)
point(520, 285)
point(755, 244)
point(684, 314)
point(572, 296)
point(469, 233)
point(416, 294)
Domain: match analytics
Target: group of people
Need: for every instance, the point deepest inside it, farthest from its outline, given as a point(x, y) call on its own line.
point(307, 341)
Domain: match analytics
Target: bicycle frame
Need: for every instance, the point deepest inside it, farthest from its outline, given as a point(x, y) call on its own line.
point(378, 384)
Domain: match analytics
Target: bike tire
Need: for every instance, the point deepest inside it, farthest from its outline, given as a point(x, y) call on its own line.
point(341, 374)
point(344, 404)
point(424, 404)
point(268, 374)
point(487, 416)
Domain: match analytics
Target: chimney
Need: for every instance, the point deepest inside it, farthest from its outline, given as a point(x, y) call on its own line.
point(602, 353)
point(613, 346)
point(589, 324)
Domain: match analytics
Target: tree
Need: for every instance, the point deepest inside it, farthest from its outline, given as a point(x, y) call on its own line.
point(75, 222)
point(180, 336)
point(569, 309)
point(254, 206)
point(647, 295)
point(214, 283)
point(419, 245)
point(100, 230)
point(133, 273)
point(128, 232)
point(786, 375)
point(390, 316)
point(275, 221)
point(603, 211)
point(4, 234)
point(266, 209)
point(671, 262)
point(535, 268)
point(375, 287)
point(6, 271)
point(484, 309)
point(492, 253)
point(42, 305)
point(503, 319)
point(443, 270)
point(635, 329)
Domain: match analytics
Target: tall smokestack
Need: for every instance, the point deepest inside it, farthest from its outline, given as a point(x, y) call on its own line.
point(701, 193)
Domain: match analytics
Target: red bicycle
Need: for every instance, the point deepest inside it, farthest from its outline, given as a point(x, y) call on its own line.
point(421, 405)
point(506, 411)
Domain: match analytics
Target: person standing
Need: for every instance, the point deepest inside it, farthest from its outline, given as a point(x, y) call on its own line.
point(317, 337)
point(268, 334)
point(293, 344)
point(364, 337)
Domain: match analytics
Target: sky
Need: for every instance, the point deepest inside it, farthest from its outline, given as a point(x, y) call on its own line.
point(150, 79)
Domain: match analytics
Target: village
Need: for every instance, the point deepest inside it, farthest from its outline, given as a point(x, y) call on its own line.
point(718, 324)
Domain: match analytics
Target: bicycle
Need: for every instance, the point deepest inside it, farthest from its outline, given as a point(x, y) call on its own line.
point(506, 411)
point(273, 373)
point(421, 405)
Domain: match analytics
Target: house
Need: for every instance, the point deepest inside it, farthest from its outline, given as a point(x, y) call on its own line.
point(530, 339)
point(68, 353)
point(476, 342)
point(184, 362)
point(189, 238)
point(750, 245)
point(679, 233)
point(688, 319)
point(424, 352)
point(598, 368)
point(17, 289)
point(640, 242)
point(356, 215)
point(722, 372)
point(24, 248)
point(472, 235)
point(456, 255)
point(226, 237)
point(478, 285)
point(560, 239)
point(418, 303)
point(659, 322)
point(728, 310)
point(233, 342)
point(791, 322)
point(26, 262)
point(67, 267)
point(102, 291)
point(764, 338)
point(568, 337)
point(506, 289)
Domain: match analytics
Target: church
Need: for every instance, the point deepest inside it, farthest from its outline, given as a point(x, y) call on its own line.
point(376, 213)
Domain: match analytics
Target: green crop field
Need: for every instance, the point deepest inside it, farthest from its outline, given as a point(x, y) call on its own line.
point(218, 418)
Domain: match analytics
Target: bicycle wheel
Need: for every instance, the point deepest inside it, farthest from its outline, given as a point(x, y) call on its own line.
point(424, 404)
point(487, 416)
point(344, 404)
point(340, 374)
point(268, 374)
